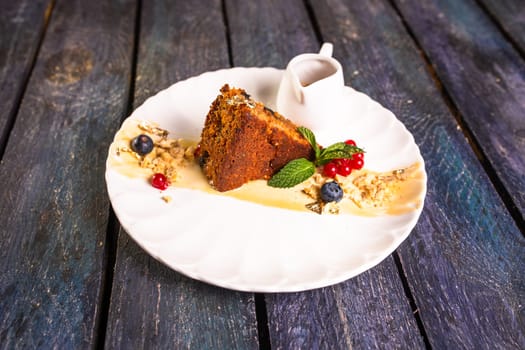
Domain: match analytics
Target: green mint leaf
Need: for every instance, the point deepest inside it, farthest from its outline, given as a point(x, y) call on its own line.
point(338, 146)
point(337, 150)
point(309, 135)
point(293, 173)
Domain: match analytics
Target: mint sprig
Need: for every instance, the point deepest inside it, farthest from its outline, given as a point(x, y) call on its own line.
point(309, 135)
point(293, 173)
point(299, 170)
point(337, 150)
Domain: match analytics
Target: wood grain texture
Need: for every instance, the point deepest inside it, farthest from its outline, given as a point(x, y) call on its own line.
point(465, 259)
point(151, 305)
point(178, 40)
point(485, 78)
point(21, 26)
point(368, 311)
point(269, 33)
point(54, 209)
point(510, 15)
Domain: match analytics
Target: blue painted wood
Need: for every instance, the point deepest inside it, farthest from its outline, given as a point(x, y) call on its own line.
point(366, 312)
point(184, 39)
point(485, 78)
point(21, 24)
point(465, 259)
point(151, 305)
point(370, 311)
point(54, 208)
point(479, 274)
point(268, 34)
point(510, 15)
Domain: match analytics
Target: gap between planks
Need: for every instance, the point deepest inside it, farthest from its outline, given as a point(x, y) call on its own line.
point(411, 300)
point(261, 315)
point(11, 117)
point(110, 256)
point(313, 20)
point(227, 32)
point(500, 188)
point(113, 227)
point(506, 35)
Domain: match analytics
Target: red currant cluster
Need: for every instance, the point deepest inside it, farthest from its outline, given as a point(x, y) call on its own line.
point(344, 166)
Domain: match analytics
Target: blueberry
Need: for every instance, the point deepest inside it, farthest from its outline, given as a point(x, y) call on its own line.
point(331, 192)
point(142, 144)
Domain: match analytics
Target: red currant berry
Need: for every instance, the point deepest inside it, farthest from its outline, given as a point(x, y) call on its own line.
point(358, 156)
point(357, 163)
point(160, 181)
point(330, 169)
point(350, 142)
point(344, 169)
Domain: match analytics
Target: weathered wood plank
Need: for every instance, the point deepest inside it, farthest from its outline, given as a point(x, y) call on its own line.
point(368, 311)
point(269, 34)
point(54, 210)
point(465, 259)
point(510, 15)
point(178, 40)
point(485, 78)
point(151, 305)
point(21, 24)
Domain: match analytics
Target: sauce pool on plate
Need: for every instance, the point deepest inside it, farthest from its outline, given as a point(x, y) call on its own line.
point(366, 193)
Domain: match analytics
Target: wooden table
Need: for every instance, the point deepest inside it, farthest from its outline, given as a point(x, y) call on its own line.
point(70, 71)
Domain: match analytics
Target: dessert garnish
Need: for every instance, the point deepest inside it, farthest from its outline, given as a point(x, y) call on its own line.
point(142, 144)
point(367, 190)
point(152, 149)
point(160, 181)
point(167, 199)
point(337, 159)
point(331, 192)
point(344, 166)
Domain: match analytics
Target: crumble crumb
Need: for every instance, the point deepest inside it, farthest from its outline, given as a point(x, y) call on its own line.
point(364, 188)
point(167, 154)
point(166, 199)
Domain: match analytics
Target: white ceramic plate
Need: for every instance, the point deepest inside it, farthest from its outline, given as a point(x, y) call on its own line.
point(250, 247)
